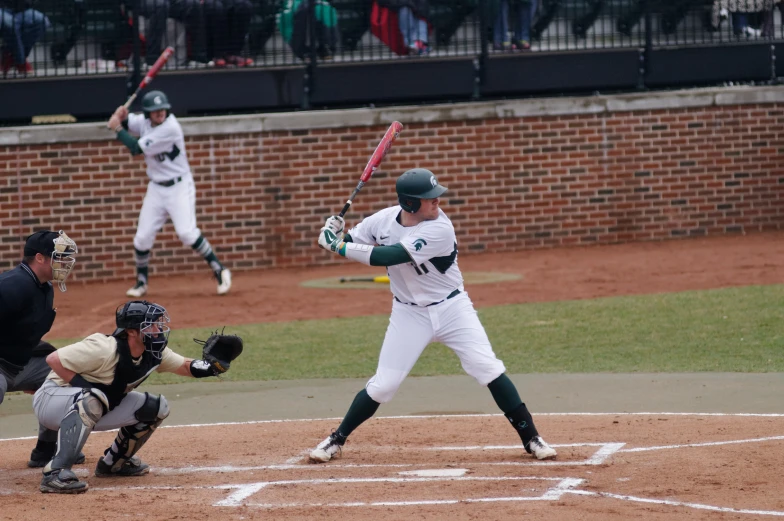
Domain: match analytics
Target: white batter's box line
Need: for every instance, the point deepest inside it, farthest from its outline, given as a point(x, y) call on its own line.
point(600, 456)
point(704, 444)
point(243, 492)
point(673, 503)
point(433, 416)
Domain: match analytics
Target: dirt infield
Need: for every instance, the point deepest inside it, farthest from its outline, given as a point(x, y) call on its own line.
point(470, 467)
point(610, 466)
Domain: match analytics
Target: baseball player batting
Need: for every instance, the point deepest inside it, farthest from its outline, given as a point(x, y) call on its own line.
point(91, 387)
point(170, 192)
point(416, 241)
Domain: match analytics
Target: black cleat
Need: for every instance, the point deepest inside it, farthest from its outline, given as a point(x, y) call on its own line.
point(62, 481)
point(133, 467)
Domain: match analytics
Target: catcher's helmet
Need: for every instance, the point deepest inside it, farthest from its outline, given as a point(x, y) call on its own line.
point(155, 100)
point(417, 184)
point(150, 319)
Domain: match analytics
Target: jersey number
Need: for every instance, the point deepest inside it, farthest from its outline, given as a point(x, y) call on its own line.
point(171, 155)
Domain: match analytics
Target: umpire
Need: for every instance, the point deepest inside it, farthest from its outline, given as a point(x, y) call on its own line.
point(27, 314)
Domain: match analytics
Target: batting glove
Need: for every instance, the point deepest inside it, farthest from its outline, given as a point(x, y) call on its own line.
point(329, 241)
point(336, 224)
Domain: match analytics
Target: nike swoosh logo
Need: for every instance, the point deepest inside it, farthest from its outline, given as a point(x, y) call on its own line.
point(384, 238)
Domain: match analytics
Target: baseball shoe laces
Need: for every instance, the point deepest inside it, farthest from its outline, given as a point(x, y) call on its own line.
point(540, 449)
point(327, 449)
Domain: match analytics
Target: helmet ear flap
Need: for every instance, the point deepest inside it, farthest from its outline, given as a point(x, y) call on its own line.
point(409, 204)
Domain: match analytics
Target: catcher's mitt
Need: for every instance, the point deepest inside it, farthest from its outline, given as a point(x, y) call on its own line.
point(219, 350)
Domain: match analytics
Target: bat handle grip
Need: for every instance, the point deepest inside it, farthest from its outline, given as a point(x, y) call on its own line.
point(127, 104)
point(345, 208)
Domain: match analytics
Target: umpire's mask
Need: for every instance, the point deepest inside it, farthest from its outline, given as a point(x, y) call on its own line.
point(60, 248)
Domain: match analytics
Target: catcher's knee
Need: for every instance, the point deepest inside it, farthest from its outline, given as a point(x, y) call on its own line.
point(91, 405)
point(155, 409)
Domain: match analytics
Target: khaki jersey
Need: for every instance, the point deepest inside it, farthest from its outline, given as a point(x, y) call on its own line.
point(96, 357)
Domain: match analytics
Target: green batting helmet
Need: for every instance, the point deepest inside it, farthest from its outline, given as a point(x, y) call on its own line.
point(417, 184)
point(155, 100)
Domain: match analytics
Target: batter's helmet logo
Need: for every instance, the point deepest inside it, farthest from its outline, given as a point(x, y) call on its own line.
point(158, 100)
point(419, 243)
point(433, 181)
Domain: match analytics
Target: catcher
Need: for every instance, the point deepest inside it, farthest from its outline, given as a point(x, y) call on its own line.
point(91, 387)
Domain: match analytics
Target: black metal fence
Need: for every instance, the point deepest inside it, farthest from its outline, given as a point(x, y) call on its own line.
point(42, 38)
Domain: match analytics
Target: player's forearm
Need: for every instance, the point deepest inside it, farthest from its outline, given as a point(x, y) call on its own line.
point(129, 141)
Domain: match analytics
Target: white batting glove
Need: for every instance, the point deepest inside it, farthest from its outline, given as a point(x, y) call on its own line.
point(331, 242)
point(336, 224)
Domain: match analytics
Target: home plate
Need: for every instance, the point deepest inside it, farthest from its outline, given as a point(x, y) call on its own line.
point(435, 473)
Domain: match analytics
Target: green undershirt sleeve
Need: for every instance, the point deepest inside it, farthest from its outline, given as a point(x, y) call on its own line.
point(129, 141)
point(389, 255)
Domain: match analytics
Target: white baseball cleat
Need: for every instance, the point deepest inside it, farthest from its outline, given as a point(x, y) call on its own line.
point(540, 449)
point(225, 282)
point(327, 449)
point(138, 290)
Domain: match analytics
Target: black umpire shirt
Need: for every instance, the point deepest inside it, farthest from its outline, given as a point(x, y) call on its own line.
point(26, 315)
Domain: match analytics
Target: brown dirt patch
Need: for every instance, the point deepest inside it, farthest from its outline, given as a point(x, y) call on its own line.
point(559, 274)
point(260, 472)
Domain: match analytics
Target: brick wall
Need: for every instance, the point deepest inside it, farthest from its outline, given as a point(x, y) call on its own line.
point(514, 183)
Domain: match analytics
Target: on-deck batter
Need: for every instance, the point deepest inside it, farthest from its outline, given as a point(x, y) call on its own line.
point(170, 192)
point(416, 242)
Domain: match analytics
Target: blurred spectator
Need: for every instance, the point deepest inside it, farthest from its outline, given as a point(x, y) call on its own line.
point(20, 27)
point(739, 11)
point(522, 12)
point(231, 38)
point(203, 21)
point(410, 17)
point(293, 26)
point(155, 13)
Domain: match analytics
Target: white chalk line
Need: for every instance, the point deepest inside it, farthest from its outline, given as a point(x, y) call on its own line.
point(243, 492)
point(704, 444)
point(672, 503)
point(432, 416)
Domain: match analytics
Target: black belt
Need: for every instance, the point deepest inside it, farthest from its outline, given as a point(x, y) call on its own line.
point(453, 294)
point(170, 182)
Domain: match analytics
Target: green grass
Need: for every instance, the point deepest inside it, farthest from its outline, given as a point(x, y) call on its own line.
point(728, 330)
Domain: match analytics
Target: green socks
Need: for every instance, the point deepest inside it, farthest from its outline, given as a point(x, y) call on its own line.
point(362, 408)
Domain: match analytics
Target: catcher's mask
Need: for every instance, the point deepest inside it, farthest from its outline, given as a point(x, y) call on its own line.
point(417, 184)
point(60, 248)
point(150, 319)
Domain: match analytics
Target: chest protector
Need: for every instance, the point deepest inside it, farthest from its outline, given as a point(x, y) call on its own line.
point(128, 375)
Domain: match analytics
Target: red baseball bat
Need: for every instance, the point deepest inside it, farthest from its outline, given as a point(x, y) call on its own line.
point(378, 155)
point(167, 52)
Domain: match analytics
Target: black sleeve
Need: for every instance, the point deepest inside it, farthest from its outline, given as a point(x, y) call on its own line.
point(389, 255)
point(125, 124)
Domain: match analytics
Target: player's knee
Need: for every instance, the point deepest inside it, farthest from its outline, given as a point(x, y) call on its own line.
point(141, 243)
point(382, 391)
point(91, 405)
point(155, 409)
point(190, 237)
point(486, 373)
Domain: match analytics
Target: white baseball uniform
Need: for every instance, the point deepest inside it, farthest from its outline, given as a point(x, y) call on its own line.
point(171, 191)
point(430, 303)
